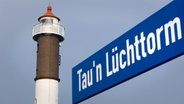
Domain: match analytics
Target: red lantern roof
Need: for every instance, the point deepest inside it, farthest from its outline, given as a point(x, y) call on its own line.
point(49, 14)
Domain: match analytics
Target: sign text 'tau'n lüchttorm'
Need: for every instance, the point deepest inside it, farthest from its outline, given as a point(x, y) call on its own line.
point(154, 41)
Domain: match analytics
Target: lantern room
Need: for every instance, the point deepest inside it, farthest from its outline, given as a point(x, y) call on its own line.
point(49, 24)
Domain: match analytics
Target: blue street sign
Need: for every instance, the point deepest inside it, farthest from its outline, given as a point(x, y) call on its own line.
point(154, 41)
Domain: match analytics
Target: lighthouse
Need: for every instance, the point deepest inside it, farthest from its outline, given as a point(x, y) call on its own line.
point(48, 34)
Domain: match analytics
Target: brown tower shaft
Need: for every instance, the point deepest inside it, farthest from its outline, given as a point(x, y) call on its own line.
point(47, 57)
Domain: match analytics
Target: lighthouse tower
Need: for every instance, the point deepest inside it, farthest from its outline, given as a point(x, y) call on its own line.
point(48, 34)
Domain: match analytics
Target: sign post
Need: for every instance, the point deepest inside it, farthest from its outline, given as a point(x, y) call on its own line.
point(154, 41)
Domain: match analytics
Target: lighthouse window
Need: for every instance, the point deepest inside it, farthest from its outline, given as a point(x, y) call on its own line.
point(47, 21)
point(43, 20)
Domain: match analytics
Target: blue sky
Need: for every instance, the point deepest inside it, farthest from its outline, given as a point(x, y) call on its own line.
point(90, 25)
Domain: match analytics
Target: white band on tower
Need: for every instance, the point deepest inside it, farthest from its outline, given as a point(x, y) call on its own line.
point(46, 91)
